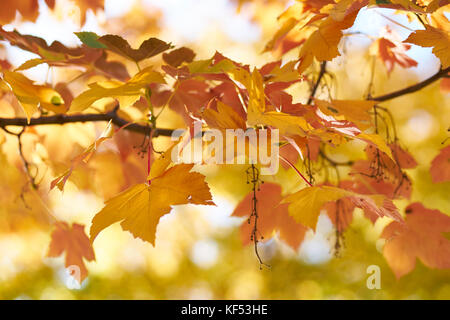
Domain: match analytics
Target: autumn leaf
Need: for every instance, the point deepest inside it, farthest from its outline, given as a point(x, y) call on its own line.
point(285, 73)
point(28, 9)
point(257, 113)
point(61, 180)
point(377, 141)
point(356, 111)
point(420, 237)
point(440, 166)
point(273, 217)
point(323, 43)
point(224, 118)
point(126, 93)
point(403, 158)
point(57, 54)
point(392, 53)
point(433, 37)
point(32, 96)
point(85, 5)
point(140, 207)
point(178, 56)
point(306, 204)
point(73, 241)
point(345, 7)
point(149, 48)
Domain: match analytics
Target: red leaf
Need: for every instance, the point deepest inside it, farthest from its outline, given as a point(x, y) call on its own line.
point(272, 217)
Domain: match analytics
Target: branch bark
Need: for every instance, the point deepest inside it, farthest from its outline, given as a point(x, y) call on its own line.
point(112, 115)
point(323, 69)
point(63, 119)
point(416, 87)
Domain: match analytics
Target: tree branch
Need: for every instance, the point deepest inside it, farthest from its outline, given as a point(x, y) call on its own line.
point(112, 115)
point(62, 119)
point(416, 87)
point(323, 69)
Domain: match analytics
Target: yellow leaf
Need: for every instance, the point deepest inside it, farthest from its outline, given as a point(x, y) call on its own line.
point(286, 123)
point(323, 43)
point(436, 38)
point(256, 110)
point(224, 118)
point(305, 205)
point(286, 73)
point(355, 111)
point(161, 164)
point(31, 96)
point(83, 157)
point(30, 64)
point(2, 137)
point(377, 141)
point(126, 93)
point(289, 19)
point(140, 207)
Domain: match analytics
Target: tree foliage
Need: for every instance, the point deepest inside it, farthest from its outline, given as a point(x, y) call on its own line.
point(341, 151)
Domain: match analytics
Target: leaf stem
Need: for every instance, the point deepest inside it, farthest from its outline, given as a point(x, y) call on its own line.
point(296, 170)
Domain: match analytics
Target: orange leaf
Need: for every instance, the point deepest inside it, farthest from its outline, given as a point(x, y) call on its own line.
point(420, 237)
point(433, 37)
point(323, 43)
point(272, 217)
point(75, 243)
point(394, 53)
point(440, 166)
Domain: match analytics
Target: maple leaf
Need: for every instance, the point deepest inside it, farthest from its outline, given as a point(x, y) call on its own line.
point(323, 43)
point(85, 5)
point(285, 73)
point(257, 113)
point(272, 217)
point(356, 111)
point(384, 175)
point(436, 38)
point(126, 93)
point(445, 84)
point(149, 48)
point(421, 236)
point(28, 9)
point(440, 166)
point(176, 57)
point(189, 97)
point(140, 207)
point(32, 96)
point(345, 7)
point(58, 54)
point(73, 241)
point(61, 180)
point(393, 52)
point(224, 118)
point(377, 141)
point(305, 205)
point(403, 158)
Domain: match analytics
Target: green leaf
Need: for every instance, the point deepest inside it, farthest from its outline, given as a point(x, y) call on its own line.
point(90, 39)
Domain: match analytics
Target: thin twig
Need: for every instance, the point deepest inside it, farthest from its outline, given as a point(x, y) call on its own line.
point(416, 87)
point(323, 69)
point(89, 117)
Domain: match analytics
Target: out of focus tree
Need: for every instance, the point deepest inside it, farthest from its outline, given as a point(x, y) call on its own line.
point(362, 112)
